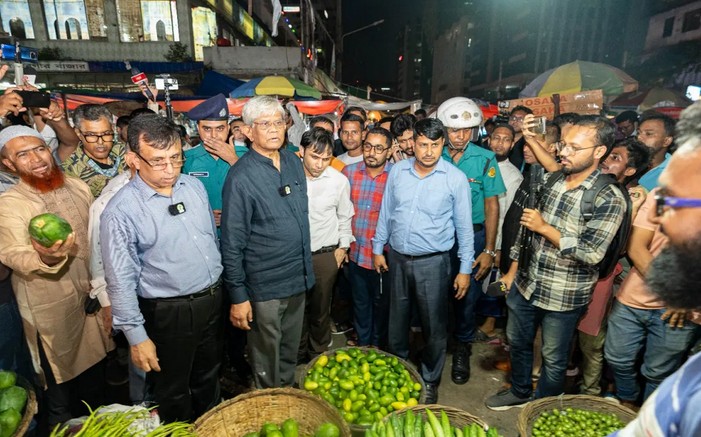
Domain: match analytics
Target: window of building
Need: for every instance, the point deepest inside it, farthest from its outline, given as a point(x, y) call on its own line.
point(668, 27)
point(147, 20)
point(16, 18)
point(692, 21)
point(204, 30)
point(75, 19)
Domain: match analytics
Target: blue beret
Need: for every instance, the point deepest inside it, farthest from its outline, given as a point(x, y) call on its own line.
point(214, 108)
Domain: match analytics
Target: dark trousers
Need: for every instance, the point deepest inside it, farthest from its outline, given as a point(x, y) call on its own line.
point(465, 324)
point(316, 329)
point(62, 402)
point(423, 281)
point(189, 340)
point(370, 305)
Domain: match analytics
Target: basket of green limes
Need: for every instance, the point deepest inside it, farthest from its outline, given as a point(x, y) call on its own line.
point(573, 415)
point(287, 411)
point(364, 384)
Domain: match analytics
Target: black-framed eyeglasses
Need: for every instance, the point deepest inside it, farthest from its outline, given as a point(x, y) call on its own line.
point(92, 137)
point(561, 146)
point(163, 164)
point(662, 202)
point(376, 147)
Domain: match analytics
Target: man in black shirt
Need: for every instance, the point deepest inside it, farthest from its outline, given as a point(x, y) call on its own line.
point(265, 244)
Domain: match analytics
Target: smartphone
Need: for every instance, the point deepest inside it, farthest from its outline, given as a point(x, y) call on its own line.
point(35, 99)
point(539, 128)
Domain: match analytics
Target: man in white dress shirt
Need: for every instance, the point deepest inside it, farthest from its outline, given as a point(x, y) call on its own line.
point(330, 214)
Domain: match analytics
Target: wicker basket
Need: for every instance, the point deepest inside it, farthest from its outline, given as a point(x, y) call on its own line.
point(532, 410)
point(359, 430)
point(250, 411)
point(30, 408)
point(458, 418)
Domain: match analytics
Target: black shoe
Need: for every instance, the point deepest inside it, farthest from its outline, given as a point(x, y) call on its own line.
point(460, 373)
point(431, 393)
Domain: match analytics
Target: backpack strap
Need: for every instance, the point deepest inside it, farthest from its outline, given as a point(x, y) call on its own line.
point(590, 195)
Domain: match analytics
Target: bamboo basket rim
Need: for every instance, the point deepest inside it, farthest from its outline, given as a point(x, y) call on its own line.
point(533, 409)
point(30, 408)
point(436, 408)
point(329, 413)
point(413, 371)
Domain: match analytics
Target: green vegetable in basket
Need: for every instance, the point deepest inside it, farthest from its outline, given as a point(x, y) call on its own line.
point(13, 397)
point(7, 379)
point(9, 421)
point(251, 434)
point(268, 428)
point(574, 422)
point(290, 428)
point(327, 430)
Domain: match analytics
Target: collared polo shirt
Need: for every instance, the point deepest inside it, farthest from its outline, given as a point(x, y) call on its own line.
point(482, 171)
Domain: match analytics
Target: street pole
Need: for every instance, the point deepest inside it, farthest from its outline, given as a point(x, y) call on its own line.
point(340, 47)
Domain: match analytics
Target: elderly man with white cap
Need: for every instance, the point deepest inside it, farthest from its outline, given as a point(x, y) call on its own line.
point(51, 284)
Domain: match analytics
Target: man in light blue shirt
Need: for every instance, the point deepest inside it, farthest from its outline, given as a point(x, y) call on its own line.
point(425, 205)
point(162, 267)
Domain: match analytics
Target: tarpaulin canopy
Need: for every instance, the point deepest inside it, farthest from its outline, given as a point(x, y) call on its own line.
point(214, 83)
point(311, 107)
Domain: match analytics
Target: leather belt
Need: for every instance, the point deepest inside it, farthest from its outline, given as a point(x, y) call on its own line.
point(416, 257)
point(207, 291)
point(325, 249)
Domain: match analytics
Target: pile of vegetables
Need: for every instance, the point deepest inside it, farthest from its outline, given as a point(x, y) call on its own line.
point(575, 422)
point(290, 428)
point(133, 421)
point(413, 425)
point(364, 386)
point(12, 402)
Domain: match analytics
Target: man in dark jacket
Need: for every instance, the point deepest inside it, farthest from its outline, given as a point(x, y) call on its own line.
point(265, 244)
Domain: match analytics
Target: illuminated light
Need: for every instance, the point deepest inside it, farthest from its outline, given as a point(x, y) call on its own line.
point(290, 26)
point(401, 57)
point(294, 31)
point(291, 9)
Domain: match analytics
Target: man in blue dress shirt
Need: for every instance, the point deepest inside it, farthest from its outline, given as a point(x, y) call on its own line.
point(425, 205)
point(163, 268)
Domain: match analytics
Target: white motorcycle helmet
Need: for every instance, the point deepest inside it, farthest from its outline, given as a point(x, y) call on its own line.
point(459, 113)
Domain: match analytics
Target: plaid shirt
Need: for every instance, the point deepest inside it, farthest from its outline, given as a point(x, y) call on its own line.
point(366, 195)
point(563, 279)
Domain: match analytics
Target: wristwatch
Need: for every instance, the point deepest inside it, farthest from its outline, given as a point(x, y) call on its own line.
point(491, 253)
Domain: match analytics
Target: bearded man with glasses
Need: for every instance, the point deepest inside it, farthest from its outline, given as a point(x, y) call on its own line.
point(554, 289)
point(100, 155)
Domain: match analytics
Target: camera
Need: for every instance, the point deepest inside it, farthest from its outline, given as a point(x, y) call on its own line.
point(167, 81)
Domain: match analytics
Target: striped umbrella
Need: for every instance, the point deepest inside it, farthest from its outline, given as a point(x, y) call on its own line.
point(275, 86)
point(581, 76)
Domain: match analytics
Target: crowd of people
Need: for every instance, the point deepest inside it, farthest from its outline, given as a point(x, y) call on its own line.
point(231, 251)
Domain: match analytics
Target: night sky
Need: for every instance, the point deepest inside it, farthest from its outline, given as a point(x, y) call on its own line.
point(370, 55)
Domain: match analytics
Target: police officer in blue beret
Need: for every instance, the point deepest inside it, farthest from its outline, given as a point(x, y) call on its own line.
point(211, 159)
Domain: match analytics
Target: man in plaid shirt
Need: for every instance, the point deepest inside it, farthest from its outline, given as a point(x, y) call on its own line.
point(370, 289)
point(554, 290)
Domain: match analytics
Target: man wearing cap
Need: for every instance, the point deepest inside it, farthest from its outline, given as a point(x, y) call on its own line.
point(51, 283)
point(460, 116)
point(211, 160)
